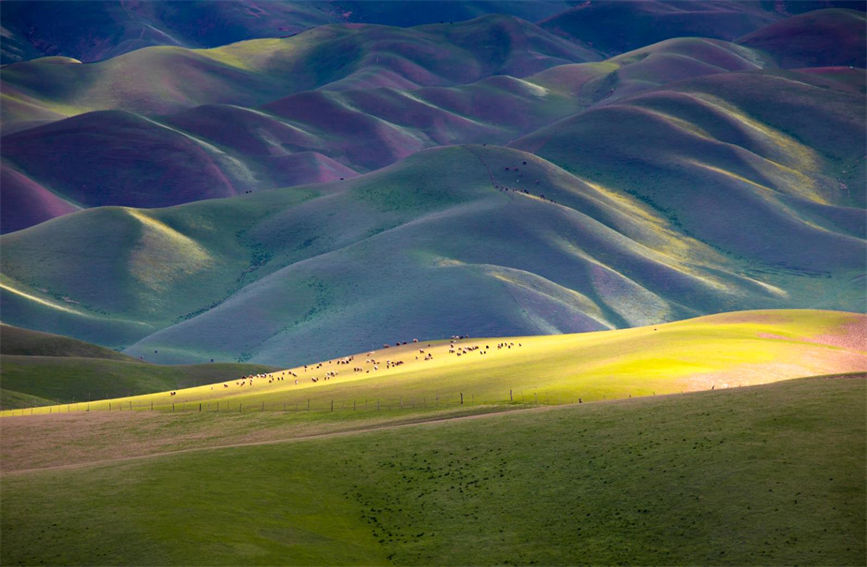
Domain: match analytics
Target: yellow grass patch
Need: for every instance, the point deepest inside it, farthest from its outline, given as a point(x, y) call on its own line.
point(719, 351)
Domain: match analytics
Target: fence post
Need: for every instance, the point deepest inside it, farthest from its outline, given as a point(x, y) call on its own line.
point(332, 405)
point(173, 407)
point(200, 406)
point(462, 398)
point(510, 395)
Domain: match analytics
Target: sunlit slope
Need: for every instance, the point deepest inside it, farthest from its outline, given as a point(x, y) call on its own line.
point(717, 351)
point(649, 67)
point(758, 166)
point(483, 240)
point(113, 275)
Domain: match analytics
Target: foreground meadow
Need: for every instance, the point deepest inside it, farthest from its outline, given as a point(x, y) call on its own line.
point(766, 475)
point(682, 443)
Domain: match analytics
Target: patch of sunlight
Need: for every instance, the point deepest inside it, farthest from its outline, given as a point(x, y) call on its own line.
point(539, 286)
point(6, 284)
point(673, 251)
point(805, 157)
point(415, 98)
point(677, 122)
point(751, 56)
point(249, 55)
point(238, 168)
point(531, 88)
point(634, 303)
point(448, 263)
point(765, 192)
point(163, 255)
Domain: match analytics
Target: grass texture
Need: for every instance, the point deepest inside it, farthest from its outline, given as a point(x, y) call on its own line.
point(765, 475)
point(722, 351)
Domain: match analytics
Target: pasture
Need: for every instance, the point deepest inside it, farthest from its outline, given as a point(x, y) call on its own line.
point(769, 475)
point(720, 351)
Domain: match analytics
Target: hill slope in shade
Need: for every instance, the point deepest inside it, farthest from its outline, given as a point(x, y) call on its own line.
point(823, 38)
point(113, 157)
point(324, 135)
point(27, 203)
point(91, 31)
point(166, 79)
point(516, 244)
point(24, 342)
point(617, 27)
point(40, 369)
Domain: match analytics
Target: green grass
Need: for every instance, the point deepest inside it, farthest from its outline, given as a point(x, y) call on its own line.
point(68, 379)
point(42, 369)
point(721, 351)
point(25, 342)
point(304, 262)
point(769, 475)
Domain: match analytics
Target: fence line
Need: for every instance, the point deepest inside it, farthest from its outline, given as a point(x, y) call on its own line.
point(302, 405)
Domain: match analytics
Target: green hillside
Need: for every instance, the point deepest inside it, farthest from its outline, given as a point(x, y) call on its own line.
point(41, 369)
point(678, 179)
point(518, 245)
point(642, 481)
point(163, 79)
point(219, 142)
point(24, 342)
point(718, 351)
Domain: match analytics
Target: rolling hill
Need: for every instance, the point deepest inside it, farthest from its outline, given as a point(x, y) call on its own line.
point(139, 127)
point(111, 28)
point(120, 157)
point(273, 112)
point(645, 480)
point(682, 178)
point(693, 197)
point(237, 236)
point(164, 79)
point(41, 369)
point(823, 38)
point(617, 27)
point(728, 350)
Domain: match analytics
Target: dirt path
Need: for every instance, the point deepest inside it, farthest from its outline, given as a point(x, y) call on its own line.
point(359, 429)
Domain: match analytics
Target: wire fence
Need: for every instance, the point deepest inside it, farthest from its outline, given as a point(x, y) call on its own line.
point(300, 405)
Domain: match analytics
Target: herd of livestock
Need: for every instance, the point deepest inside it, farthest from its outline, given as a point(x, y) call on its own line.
point(314, 373)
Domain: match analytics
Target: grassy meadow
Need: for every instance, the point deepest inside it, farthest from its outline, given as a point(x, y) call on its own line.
point(720, 351)
point(42, 369)
point(762, 475)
